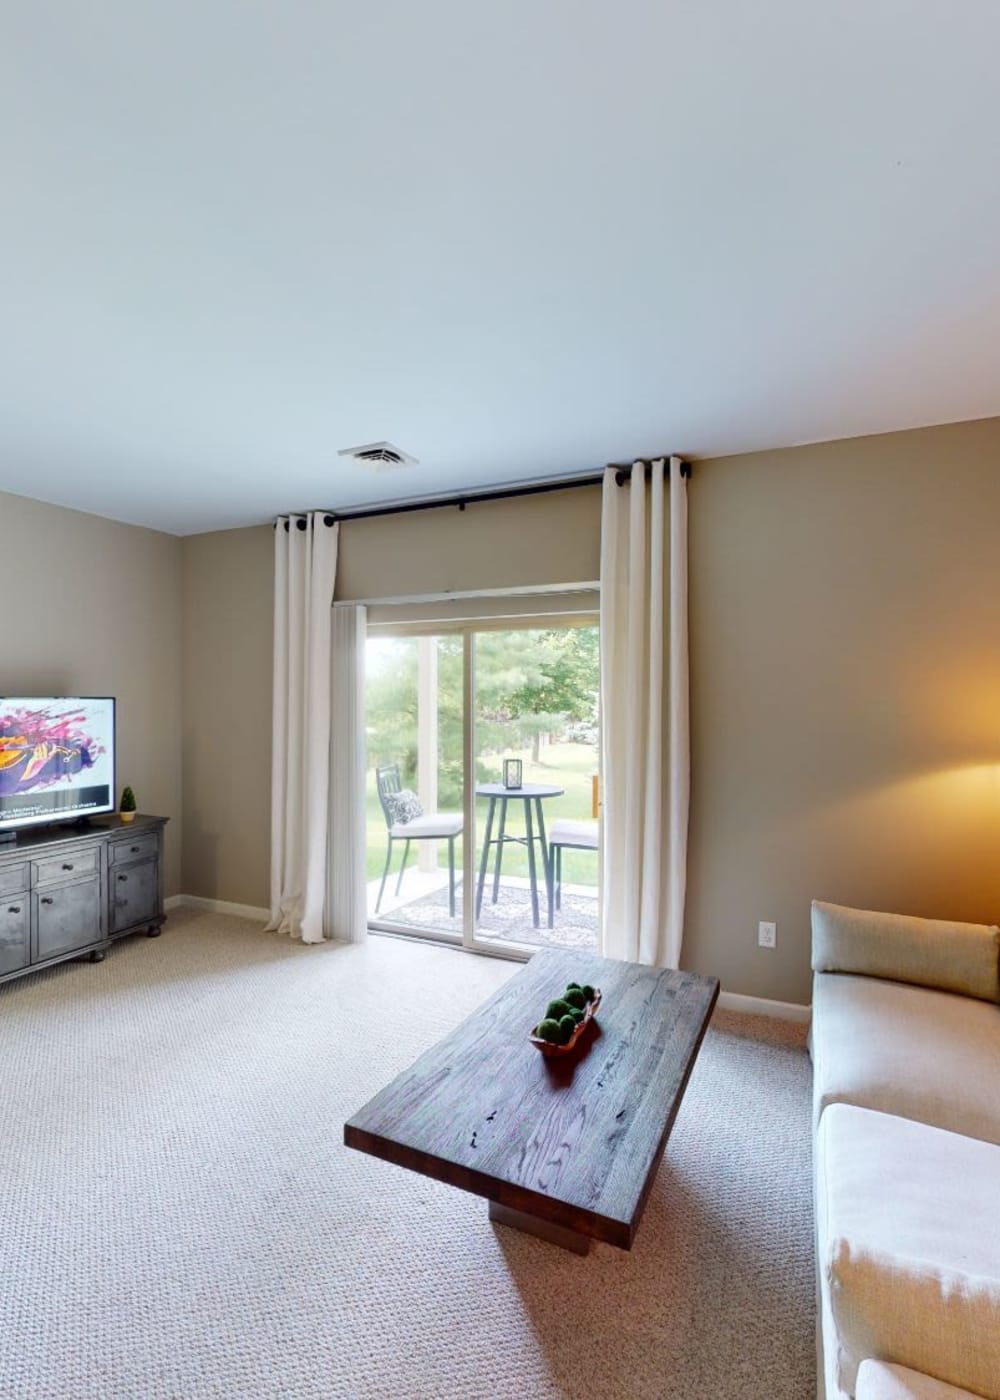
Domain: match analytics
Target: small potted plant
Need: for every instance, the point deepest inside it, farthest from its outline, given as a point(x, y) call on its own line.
point(127, 809)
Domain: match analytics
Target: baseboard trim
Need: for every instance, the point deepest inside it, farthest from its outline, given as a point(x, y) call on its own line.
point(761, 1006)
point(217, 906)
point(729, 1001)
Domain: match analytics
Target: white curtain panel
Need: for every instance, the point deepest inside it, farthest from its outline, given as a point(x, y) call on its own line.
point(645, 747)
point(305, 567)
point(347, 907)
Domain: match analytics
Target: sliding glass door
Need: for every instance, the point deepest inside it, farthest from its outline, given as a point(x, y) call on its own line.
point(536, 757)
point(482, 784)
point(414, 720)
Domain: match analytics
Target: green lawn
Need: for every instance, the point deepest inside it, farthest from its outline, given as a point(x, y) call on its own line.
point(568, 766)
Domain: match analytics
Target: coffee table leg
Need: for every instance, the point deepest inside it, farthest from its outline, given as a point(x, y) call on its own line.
point(543, 1229)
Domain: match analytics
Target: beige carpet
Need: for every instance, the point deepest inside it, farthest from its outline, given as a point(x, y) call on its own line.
point(179, 1219)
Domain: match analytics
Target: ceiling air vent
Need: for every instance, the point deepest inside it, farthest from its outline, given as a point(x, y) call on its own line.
point(379, 456)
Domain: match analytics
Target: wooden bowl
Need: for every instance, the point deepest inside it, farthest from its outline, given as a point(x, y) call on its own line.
point(550, 1050)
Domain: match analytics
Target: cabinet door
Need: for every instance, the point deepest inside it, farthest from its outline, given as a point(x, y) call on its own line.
point(135, 894)
point(15, 922)
point(67, 917)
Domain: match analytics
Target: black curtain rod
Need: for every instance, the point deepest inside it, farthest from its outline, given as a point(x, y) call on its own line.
point(622, 474)
point(623, 470)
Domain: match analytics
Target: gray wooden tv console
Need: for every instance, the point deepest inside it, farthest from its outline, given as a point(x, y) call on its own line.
point(67, 891)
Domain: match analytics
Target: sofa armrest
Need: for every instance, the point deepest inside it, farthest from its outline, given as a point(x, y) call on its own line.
point(951, 957)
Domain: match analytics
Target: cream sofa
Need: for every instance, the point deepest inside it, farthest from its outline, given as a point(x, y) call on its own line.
point(906, 1054)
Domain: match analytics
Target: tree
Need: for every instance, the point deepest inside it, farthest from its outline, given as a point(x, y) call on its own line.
point(391, 704)
point(537, 681)
point(528, 683)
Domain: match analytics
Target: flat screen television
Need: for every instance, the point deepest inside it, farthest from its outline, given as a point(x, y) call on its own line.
point(57, 759)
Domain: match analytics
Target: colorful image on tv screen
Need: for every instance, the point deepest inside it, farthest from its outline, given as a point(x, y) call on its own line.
point(56, 758)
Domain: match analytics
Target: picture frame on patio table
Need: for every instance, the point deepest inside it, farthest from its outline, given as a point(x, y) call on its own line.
point(512, 773)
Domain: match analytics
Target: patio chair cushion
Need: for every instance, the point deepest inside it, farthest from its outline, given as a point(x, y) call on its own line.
point(428, 825)
point(564, 832)
point(404, 806)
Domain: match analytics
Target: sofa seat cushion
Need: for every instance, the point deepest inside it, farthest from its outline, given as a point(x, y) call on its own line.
point(931, 1056)
point(908, 1239)
point(877, 1381)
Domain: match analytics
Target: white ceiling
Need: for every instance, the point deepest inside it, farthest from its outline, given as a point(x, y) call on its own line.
point(517, 239)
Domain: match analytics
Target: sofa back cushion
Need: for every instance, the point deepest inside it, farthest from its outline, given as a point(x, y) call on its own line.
point(954, 957)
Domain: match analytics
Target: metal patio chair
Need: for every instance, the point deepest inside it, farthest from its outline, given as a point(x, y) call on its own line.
point(428, 826)
point(565, 834)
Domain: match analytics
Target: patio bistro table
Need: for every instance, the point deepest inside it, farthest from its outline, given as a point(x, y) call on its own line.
point(528, 794)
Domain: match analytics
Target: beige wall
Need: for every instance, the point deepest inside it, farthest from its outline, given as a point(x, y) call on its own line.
point(845, 633)
point(524, 542)
point(91, 607)
point(228, 610)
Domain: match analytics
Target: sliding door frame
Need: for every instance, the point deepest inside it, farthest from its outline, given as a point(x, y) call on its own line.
point(469, 793)
point(468, 628)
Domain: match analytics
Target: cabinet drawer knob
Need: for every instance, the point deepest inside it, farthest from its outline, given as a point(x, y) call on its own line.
point(134, 850)
point(67, 866)
point(122, 879)
point(14, 909)
point(46, 899)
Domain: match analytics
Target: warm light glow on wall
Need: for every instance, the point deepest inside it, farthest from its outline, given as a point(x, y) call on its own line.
point(926, 844)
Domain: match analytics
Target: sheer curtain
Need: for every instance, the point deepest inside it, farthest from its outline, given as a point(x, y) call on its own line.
point(347, 906)
point(644, 713)
point(316, 725)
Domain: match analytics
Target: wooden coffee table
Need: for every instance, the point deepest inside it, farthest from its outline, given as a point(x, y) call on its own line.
point(564, 1148)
